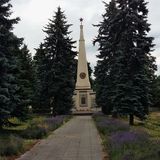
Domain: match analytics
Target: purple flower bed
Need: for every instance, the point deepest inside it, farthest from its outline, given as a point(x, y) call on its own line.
point(113, 122)
point(124, 144)
point(110, 125)
point(54, 122)
point(117, 139)
point(123, 139)
point(40, 130)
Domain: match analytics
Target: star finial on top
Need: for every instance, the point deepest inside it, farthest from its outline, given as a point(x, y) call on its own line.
point(81, 20)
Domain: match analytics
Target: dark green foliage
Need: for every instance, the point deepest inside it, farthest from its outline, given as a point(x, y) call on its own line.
point(8, 86)
point(90, 71)
point(41, 100)
point(126, 69)
point(13, 145)
point(57, 66)
point(24, 77)
point(34, 132)
point(136, 65)
point(15, 69)
point(26, 67)
point(104, 77)
point(156, 92)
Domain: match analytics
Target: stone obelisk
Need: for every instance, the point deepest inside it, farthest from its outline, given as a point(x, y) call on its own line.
point(84, 95)
point(82, 68)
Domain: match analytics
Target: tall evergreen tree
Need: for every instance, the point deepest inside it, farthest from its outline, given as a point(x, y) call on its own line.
point(24, 78)
point(8, 86)
point(103, 70)
point(133, 68)
point(137, 69)
point(59, 64)
point(41, 101)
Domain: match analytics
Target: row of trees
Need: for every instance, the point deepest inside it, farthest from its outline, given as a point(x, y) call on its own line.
point(15, 69)
point(125, 69)
point(46, 81)
point(124, 72)
point(55, 67)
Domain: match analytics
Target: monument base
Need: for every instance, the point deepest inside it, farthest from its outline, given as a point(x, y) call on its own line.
point(84, 99)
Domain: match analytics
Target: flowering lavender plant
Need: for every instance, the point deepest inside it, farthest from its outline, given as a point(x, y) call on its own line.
point(125, 138)
point(54, 122)
point(109, 125)
point(124, 143)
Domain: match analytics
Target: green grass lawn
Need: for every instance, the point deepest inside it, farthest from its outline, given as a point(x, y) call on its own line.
point(8, 133)
point(19, 126)
point(151, 125)
point(124, 142)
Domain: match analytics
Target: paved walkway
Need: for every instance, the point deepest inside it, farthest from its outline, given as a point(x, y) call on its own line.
point(76, 140)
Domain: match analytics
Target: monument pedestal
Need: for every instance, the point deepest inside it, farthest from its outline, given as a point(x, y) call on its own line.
point(84, 99)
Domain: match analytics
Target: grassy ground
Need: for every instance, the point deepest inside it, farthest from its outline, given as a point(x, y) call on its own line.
point(21, 137)
point(151, 125)
point(8, 133)
point(123, 142)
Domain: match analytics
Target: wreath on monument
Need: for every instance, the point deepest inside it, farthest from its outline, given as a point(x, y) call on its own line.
point(82, 75)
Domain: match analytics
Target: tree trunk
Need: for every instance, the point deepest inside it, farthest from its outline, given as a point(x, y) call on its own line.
point(114, 115)
point(131, 119)
point(1, 126)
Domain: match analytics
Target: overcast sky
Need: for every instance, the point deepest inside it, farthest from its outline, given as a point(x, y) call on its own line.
point(34, 16)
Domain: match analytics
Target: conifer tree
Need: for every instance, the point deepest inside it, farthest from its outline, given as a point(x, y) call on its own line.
point(24, 78)
point(8, 87)
point(133, 66)
point(136, 65)
point(104, 68)
point(41, 101)
point(59, 65)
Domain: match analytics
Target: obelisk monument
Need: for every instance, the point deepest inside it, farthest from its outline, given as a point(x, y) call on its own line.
point(82, 70)
point(84, 95)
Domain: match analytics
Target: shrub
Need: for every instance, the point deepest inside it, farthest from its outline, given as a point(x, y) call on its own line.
point(11, 146)
point(127, 138)
point(133, 148)
point(41, 129)
point(34, 132)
